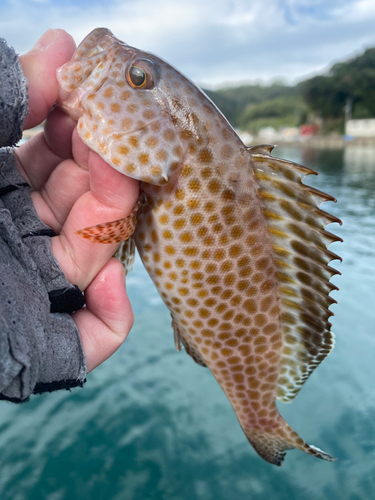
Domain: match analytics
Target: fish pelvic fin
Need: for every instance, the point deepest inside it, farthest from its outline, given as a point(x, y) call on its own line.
point(126, 254)
point(299, 243)
point(272, 445)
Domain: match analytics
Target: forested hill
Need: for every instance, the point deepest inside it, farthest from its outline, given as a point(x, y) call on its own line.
point(251, 107)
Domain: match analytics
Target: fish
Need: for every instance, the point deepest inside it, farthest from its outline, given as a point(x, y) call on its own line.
point(232, 238)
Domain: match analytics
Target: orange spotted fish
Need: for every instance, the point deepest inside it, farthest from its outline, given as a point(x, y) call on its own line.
point(233, 240)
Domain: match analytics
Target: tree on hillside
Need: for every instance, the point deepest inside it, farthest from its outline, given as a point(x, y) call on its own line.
point(234, 101)
point(355, 79)
point(254, 106)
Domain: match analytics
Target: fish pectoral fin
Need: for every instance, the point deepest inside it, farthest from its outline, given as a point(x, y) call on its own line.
point(109, 232)
point(299, 242)
point(114, 231)
point(126, 254)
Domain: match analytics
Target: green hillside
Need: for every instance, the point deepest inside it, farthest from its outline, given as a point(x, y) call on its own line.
point(322, 97)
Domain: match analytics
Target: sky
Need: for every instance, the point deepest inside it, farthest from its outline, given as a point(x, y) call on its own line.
point(213, 42)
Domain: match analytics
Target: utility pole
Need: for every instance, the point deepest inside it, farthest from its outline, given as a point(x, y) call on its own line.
point(348, 109)
point(348, 112)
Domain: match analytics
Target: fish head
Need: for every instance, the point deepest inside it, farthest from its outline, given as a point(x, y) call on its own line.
point(131, 107)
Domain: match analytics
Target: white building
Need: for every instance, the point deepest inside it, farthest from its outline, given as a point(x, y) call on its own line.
point(360, 128)
point(245, 137)
point(268, 134)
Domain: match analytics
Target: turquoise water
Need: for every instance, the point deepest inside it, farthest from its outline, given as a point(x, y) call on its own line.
point(151, 424)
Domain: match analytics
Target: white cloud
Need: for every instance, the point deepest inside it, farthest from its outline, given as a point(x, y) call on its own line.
point(211, 41)
point(357, 11)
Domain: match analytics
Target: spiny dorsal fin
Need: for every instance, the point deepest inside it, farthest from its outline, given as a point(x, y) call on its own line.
point(299, 241)
point(262, 149)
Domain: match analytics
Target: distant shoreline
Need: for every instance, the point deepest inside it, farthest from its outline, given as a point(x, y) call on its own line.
point(316, 141)
point(321, 142)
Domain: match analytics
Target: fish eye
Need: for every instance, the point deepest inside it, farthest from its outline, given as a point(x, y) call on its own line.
point(141, 74)
point(137, 76)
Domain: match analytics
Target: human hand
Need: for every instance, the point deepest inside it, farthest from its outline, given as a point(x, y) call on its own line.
point(74, 188)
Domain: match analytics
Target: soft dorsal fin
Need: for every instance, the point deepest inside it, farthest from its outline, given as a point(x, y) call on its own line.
point(299, 242)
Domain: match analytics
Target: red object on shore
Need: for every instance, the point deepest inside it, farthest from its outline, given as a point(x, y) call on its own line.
point(308, 130)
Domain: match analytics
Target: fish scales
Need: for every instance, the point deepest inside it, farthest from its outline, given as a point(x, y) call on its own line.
point(233, 240)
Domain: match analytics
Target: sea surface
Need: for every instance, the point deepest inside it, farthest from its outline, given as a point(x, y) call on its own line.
point(152, 424)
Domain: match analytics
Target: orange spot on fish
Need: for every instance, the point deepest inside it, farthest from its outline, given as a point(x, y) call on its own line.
point(115, 107)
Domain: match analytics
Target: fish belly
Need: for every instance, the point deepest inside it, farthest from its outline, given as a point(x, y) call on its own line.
point(210, 259)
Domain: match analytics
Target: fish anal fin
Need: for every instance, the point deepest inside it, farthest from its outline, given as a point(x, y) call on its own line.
point(193, 353)
point(189, 348)
point(113, 231)
point(299, 242)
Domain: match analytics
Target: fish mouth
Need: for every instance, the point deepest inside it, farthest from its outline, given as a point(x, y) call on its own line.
point(105, 42)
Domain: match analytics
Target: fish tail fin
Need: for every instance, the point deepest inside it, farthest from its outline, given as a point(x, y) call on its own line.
point(272, 445)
